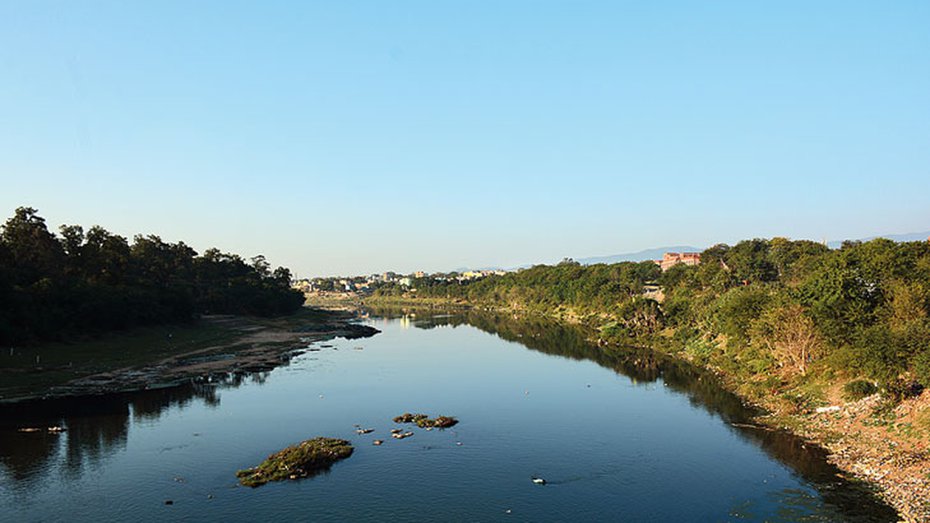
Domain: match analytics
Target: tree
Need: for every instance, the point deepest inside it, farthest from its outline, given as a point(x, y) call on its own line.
point(34, 251)
point(791, 337)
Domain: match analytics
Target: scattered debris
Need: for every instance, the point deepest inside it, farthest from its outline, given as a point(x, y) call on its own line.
point(832, 408)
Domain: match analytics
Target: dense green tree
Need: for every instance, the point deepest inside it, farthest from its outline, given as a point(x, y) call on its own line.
point(52, 287)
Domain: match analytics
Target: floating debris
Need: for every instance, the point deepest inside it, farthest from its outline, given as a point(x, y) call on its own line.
point(305, 459)
point(401, 435)
point(364, 431)
point(377, 442)
point(537, 480)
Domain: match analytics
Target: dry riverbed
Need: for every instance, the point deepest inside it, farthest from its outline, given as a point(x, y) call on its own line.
point(170, 356)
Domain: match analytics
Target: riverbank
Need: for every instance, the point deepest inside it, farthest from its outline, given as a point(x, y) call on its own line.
point(164, 356)
point(873, 440)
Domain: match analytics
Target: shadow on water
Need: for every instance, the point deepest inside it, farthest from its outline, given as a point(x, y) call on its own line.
point(855, 500)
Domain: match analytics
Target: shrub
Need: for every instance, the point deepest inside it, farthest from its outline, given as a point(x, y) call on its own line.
point(858, 389)
point(899, 389)
point(922, 368)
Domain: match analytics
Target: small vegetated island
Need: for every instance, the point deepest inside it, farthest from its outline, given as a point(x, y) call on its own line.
point(425, 422)
point(306, 459)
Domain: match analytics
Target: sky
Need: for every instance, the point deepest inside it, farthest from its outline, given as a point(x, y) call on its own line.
point(349, 137)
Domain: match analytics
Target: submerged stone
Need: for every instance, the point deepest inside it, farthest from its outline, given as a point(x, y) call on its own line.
point(305, 459)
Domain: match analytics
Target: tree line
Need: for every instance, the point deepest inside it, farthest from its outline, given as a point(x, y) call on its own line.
point(773, 310)
point(84, 282)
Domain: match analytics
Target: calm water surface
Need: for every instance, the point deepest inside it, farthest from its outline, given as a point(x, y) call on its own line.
point(620, 436)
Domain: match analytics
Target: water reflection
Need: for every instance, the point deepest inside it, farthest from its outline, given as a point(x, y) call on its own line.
point(96, 426)
point(644, 366)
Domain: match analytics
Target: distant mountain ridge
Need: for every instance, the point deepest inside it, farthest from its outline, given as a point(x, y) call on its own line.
point(908, 237)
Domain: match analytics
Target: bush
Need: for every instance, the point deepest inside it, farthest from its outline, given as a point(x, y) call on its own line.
point(922, 368)
point(858, 389)
point(902, 389)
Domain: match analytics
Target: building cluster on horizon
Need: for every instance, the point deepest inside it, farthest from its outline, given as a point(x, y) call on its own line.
point(671, 259)
point(370, 282)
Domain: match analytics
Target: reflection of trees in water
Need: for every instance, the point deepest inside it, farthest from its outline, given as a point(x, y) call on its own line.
point(641, 365)
point(97, 426)
point(24, 455)
point(703, 390)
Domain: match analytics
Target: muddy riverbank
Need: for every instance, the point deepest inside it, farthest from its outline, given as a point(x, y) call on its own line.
point(235, 344)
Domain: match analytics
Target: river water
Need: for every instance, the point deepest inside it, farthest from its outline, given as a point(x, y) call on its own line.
point(618, 436)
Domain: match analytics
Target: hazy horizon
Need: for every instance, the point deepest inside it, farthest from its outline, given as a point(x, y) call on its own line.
point(361, 137)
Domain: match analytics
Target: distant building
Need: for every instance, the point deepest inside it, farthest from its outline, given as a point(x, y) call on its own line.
point(304, 286)
point(671, 259)
point(419, 274)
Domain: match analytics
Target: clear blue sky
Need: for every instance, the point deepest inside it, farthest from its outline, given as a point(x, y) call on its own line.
point(350, 137)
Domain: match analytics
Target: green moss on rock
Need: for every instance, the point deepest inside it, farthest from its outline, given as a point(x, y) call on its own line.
point(410, 418)
point(424, 421)
point(305, 459)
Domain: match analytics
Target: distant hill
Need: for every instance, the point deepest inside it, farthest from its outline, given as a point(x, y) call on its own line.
point(909, 237)
point(648, 254)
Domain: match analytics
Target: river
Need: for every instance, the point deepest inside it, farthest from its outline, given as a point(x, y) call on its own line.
point(619, 435)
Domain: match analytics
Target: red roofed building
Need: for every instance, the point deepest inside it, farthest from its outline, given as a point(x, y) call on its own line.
point(671, 259)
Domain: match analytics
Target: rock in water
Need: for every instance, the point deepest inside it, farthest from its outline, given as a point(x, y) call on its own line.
point(303, 460)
